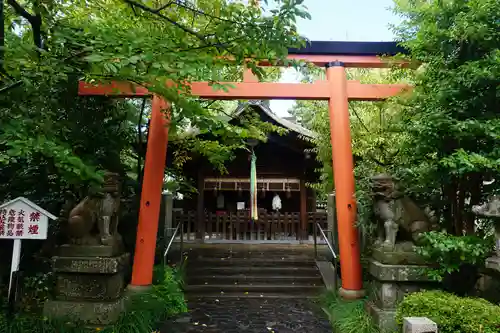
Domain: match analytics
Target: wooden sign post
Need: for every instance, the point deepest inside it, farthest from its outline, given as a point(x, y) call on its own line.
point(22, 219)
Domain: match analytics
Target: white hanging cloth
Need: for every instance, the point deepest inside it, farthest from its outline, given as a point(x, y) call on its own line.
point(276, 202)
point(220, 201)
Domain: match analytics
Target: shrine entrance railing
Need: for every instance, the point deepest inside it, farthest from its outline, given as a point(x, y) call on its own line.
point(239, 227)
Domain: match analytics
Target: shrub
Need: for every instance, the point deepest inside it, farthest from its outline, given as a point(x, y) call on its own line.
point(348, 316)
point(450, 252)
point(35, 291)
point(452, 313)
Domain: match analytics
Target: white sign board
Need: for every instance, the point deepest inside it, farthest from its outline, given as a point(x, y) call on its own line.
point(240, 205)
point(22, 219)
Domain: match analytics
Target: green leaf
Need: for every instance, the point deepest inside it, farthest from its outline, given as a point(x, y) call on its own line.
point(94, 58)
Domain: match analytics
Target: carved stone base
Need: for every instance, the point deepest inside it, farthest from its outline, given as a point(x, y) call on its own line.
point(89, 313)
point(383, 319)
point(71, 250)
point(391, 283)
point(402, 254)
point(90, 265)
point(493, 264)
point(89, 286)
point(89, 289)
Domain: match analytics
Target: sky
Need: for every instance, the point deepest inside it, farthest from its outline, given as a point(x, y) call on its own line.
point(341, 20)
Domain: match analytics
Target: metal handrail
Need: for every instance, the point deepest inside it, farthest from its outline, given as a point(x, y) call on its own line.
point(316, 226)
point(171, 241)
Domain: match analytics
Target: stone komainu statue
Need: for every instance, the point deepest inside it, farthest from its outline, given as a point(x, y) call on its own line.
point(490, 208)
point(94, 221)
point(398, 218)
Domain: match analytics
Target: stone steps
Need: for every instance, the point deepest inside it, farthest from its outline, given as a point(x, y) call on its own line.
point(250, 262)
point(248, 255)
point(252, 272)
point(275, 288)
point(256, 278)
point(251, 295)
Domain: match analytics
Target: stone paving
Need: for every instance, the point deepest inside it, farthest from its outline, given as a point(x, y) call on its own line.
point(250, 315)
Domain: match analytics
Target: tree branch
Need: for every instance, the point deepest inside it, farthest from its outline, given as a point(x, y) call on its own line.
point(197, 11)
point(140, 142)
point(165, 6)
point(34, 20)
point(359, 118)
point(166, 18)
point(11, 86)
point(20, 10)
point(2, 39)
point(377, 161)
point(203, 38)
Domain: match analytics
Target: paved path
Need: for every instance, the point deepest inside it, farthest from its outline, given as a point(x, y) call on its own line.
point(250, 315)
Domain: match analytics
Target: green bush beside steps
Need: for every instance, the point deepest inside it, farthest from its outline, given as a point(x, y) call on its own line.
point(452, 314)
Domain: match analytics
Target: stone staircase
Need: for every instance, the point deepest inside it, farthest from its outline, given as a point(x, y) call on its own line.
point(252, 271)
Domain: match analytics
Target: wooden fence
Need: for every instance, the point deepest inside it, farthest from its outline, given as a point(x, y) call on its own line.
point(238, 226)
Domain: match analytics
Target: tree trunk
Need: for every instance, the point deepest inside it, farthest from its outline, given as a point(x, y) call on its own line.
point(460, 216)
point(2, 38)
point(474, 183)
point(452, 200)
point(447, 208)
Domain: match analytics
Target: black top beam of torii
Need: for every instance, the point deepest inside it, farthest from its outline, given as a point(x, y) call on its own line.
point(350, 48)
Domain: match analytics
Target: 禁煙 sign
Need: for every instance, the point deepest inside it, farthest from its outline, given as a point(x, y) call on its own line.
point(22, 219)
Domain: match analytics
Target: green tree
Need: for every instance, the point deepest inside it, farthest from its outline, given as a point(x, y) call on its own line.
point(375, 136)
point(53, 141)
point(147, 43)
point(451, 119)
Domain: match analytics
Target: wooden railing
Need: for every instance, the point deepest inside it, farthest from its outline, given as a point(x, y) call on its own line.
point(238, 226)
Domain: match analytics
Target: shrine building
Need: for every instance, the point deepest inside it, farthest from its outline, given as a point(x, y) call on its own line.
point(286, 207)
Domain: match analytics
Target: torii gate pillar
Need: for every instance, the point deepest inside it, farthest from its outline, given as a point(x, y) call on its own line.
point(152, 185)
point(343, 173)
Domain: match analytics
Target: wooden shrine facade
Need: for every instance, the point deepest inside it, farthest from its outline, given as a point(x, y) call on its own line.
point(285, 163)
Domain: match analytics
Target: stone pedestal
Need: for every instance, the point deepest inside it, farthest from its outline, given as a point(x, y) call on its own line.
point(488, 285)
point(89, 284)
point(390, 284)
point(493, 264)
point(419, 325)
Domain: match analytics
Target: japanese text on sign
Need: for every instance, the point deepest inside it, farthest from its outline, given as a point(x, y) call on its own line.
point(21, 219)
point(13, 223)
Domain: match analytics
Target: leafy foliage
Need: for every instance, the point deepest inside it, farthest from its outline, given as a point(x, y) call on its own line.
point(451, 313)
point(35, 291)
point(451, 118)
point(54, 148)
point(450, 252)
point(374, 132)
point(137, 42)
point(53, 142)
point(440, 139)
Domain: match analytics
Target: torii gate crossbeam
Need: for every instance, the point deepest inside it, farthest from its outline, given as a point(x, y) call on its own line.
point(336, 89)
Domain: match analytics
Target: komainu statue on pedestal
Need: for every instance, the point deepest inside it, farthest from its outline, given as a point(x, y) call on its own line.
point(94, 221)
point(399, 221)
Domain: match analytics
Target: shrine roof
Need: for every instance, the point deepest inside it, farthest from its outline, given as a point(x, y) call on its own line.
point(287, 124)
point(260, 106)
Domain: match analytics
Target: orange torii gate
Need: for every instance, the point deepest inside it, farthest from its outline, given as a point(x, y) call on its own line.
point(335, 56)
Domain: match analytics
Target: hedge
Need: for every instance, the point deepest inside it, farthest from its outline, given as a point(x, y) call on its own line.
point(452, 313)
